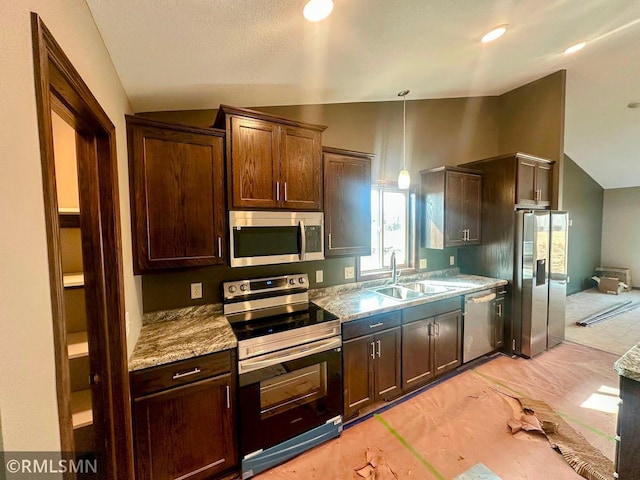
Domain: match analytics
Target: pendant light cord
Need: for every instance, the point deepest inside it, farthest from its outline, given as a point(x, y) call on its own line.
point(404, 131)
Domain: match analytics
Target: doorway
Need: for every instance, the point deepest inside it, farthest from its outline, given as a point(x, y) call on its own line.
point(79, 172)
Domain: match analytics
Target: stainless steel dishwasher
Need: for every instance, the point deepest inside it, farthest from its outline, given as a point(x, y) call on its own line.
point(479, 325)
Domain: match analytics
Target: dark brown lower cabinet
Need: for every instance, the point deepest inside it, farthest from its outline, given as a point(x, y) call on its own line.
point(627, 463)
point(431, 341)
point(185, 431)
point(371, 369)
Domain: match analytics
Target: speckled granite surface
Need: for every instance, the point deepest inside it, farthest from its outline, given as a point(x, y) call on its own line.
point(629, 364)
point(173, 335)
point(354, 301)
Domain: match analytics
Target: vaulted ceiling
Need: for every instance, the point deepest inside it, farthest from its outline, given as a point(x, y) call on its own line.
point(196, 54)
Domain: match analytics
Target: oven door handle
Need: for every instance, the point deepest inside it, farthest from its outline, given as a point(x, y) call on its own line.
point(300, 351)
point(303, 240)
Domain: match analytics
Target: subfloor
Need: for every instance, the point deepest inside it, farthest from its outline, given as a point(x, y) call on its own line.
point(615, 335)
point(462, 421)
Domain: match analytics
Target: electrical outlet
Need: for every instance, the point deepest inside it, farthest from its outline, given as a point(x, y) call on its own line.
point(423, 263)
point(319, 276)
point(349, 272)
point(196, 291)
point(452, 260)
point(127, 323)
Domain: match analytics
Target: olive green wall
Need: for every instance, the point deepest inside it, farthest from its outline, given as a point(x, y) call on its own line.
point(583, 199)
point(439, 132)
point(532, 121)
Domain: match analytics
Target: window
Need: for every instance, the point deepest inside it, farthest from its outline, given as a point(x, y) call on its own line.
point(392, 213)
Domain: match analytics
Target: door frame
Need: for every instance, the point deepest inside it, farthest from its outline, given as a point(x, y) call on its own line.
point(59, 87)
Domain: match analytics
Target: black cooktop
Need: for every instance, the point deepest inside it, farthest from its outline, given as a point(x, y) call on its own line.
point(279, 323)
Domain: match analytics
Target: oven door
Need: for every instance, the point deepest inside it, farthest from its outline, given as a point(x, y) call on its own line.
point(293, 391)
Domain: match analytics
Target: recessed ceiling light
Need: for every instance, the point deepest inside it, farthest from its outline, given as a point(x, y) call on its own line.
point(575, 48)
point(316, 10)
point(634, 105)
point(494, 34)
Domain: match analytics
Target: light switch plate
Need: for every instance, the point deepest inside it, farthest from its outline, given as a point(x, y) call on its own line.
point(452, 260)
point(196, 291)
point(319, 276)
point(349, 272)
point(423, 263)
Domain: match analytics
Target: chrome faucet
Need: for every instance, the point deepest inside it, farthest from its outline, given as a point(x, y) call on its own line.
point(394, 268)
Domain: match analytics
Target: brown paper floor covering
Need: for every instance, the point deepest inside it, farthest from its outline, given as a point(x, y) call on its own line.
point(445, 430)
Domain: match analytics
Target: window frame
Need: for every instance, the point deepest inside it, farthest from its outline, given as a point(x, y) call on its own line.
point(412, 240)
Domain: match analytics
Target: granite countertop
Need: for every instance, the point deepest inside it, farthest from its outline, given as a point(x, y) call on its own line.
point(354, 301)
point(173, 335)
point(629, 364)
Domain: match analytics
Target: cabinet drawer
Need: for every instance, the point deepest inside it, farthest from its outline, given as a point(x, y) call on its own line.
point(358, 328)
point(155, 379)
point(432, 309)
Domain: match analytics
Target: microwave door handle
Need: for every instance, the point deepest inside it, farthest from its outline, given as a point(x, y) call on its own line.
point(303, 240)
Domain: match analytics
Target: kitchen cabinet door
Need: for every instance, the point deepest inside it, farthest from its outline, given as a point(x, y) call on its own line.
point(357, 359)
point(447, 348)
point(254, 163)
point(417, 354)
point(472, 195)
point(186, 431)
point(533, 182)
point(387, 367)
point(301, 168)
point(177, 195)
point(452, 199)
point(454, 209)
point(543, 184)
point(347, 203)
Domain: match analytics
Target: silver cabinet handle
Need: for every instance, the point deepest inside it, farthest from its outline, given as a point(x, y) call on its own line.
point(329, 240)
point(373, 350)
point(277, 191)
point(285, 191)
point(186, 374)
point(499, 309)
point(219, 247)
point(376, 325)
point(228, 397)
point(379, 349)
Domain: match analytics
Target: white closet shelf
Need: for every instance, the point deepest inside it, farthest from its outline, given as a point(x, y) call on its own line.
point(77, 345)
point(81, 408)
point(73, 280)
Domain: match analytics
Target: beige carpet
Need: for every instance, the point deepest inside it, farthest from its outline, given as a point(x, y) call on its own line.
point(615, 335)
point(458, 423)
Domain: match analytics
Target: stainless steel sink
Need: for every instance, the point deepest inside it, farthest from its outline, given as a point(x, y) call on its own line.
point(425, 289)
point(397, 292)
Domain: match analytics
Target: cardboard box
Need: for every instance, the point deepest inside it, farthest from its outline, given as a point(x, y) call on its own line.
point(622, 274)
point(609, 285)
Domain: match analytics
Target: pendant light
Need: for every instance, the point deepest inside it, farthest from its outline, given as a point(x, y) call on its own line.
point(316, 10)
point(404, 179)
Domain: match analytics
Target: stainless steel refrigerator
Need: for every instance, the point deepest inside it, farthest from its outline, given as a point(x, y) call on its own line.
point(540, 279)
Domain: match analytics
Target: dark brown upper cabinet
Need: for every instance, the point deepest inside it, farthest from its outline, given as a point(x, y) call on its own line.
point(272, 162)
point(347, 202)
point(516, 178)
point(178, 213)
point(533, 181)
point(452, 202)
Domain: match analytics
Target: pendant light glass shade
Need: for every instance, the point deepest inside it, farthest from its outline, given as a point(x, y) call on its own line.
point(404, 179)
point(316, 10)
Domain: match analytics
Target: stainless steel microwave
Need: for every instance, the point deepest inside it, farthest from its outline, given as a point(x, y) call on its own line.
point(265, 238)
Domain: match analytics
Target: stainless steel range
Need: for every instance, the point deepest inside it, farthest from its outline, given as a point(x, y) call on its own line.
point(290, 369)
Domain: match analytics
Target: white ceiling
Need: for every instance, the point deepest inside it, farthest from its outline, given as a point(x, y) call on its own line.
point(196, 54)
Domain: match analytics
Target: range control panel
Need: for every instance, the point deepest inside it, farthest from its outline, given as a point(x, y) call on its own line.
point(271, 285)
